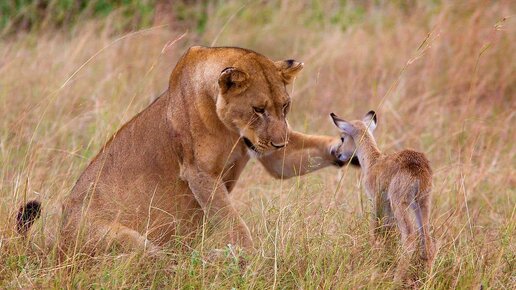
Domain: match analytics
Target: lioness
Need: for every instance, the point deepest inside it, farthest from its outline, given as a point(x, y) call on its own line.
point(174, 164)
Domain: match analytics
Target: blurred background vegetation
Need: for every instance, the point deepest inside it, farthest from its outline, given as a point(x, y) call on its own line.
point(26, 15)
point(440, 74)
point(36, 15)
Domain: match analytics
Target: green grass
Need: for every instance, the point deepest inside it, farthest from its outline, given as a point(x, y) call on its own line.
point(19, 15)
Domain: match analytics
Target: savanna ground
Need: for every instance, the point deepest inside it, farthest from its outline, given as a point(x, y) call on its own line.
point(440, 74)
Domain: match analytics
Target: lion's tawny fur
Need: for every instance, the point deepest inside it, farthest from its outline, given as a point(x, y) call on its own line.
point(177, 161)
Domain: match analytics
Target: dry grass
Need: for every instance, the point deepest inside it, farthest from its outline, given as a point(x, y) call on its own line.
point(442, 78)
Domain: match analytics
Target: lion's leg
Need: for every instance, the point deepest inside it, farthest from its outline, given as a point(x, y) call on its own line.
point(128, 238)
point(212, 196)
point(303, 154)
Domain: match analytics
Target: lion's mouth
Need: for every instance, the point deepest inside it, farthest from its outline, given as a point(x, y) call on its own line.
point(250, 144)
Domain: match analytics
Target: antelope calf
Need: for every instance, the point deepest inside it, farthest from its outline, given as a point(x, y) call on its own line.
point(398, 185)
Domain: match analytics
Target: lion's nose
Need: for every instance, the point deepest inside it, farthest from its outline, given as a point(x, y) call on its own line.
point(277, 146)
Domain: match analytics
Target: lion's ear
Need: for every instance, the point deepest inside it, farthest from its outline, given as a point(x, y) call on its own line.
point(289, 69)
point(233, 79)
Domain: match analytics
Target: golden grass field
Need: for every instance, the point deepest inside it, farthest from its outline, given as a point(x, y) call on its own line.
point(440, 75)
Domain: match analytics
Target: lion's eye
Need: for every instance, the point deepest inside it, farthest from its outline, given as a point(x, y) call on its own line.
point(342, 139)
point(259, 110)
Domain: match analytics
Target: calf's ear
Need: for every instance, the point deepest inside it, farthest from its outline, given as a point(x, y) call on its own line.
point(370, 120)
point(343, 125)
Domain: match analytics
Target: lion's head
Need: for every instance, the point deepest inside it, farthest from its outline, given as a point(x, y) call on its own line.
point(253, 100)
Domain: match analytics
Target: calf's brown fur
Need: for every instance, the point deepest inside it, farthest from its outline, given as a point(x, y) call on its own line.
point(398, 185)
